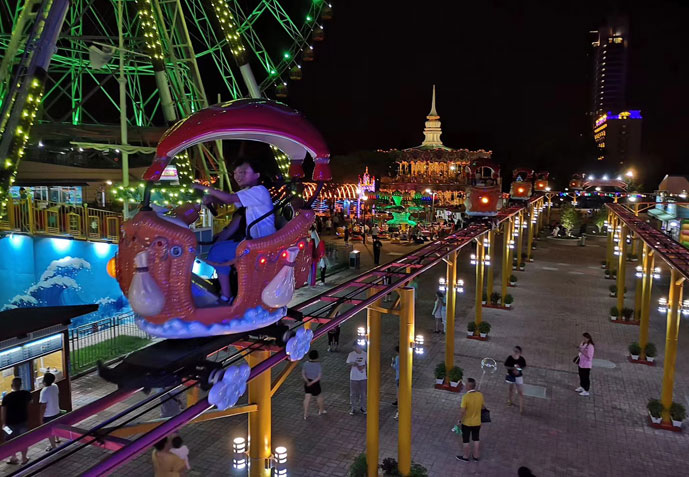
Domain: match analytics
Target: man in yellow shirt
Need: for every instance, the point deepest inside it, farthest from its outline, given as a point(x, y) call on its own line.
point(470, 419)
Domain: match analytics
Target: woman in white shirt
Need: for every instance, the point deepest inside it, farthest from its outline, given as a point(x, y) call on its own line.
point(256, 201)
point(50, 404)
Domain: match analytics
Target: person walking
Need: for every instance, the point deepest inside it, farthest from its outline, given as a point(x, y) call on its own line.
point(50, 404)
point(15, 416)
point(439, 312)
point(584, 361)
point(375, 231)
point(346, 234)
point(180, 449)
point(165, 463)
point(312, 372)
point(470, 420)
point(377, 246)
point(334, 338)
point(357, 380)
point(515, 363)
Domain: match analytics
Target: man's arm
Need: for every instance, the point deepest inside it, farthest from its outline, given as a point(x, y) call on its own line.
point(3, 414)
point(462, 411)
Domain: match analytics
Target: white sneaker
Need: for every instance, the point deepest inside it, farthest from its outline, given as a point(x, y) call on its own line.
point(579, 389)
point(584, 393)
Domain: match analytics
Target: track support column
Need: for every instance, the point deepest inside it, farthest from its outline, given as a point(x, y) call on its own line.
point(610, 255)
point(639, 288)
point(646, 288)
point(673, 313)
point(520, 240)
point(530, 225)
point(621, 268)
point(260, 446)
point(373, 390)
point(480, 256)
point(405, 390)
point(450, 307)
point(506, 263)
point(490, 269)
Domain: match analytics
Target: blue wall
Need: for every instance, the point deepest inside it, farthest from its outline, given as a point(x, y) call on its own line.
point(41, 271)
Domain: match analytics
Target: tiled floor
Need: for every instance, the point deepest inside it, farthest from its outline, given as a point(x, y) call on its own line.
point(562, 434)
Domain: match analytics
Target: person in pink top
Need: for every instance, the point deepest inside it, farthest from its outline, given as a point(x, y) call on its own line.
point(586, 350)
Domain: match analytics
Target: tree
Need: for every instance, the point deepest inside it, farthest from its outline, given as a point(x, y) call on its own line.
point(569, 218)
point(600, 218)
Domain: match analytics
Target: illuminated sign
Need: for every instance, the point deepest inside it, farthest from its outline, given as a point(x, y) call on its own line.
point(170, 174)
point(30, 350)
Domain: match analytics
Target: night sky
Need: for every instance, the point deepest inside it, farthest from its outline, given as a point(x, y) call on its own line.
point(513, 77)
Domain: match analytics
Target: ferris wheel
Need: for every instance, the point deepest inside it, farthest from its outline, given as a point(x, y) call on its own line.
point(123, 71)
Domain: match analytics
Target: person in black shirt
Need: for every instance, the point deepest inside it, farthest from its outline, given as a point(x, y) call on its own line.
point(514, 364)
point(377, 246)
point(15, 415)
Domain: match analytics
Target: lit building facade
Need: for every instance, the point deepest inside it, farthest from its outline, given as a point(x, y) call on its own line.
point(432, 171)
point(616, 128)
point(618, 137)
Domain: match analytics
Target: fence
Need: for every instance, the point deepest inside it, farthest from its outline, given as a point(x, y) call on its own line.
point(49, 218)
point(104, 340)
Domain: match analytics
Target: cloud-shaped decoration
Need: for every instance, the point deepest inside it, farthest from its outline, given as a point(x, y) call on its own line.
point(299, 344)
point(225, 393)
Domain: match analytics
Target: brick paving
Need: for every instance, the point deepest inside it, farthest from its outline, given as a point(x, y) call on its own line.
point(562, 294)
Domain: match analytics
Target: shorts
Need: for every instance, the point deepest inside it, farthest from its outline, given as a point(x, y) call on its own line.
point(17, 430)
point(314, 389)
point(223, 252)
point(47, 419)
point(519, 380)
point(473, 430)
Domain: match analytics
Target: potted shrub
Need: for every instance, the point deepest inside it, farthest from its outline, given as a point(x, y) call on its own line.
point(455, 376)
point(634, 350)
point(514, 264)
point(513, 280)
point(495, 298)
point(484, 298)
point(483, 328)
point(613, 290)
point(627, 313)
point(471, 329)
point(509, 299)
point(525, 256)
point(613, 274)
point(389, 467)
point(359, 467)
point(522, 267)
point(650, 352)
point(603, 264)
point(440, 372)
point(614, 313)
point(607, 273)
point(677, 413)
point(655, 410)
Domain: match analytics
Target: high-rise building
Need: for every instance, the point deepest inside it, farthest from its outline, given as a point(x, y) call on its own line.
point(610, 67)
point(616, 128)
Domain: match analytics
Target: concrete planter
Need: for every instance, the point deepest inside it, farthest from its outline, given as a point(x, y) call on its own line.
point(482, 335)
point(677, 423)
point(439, 381)
point(470, 333)
point(635, 357)
point(613, 317)
point(454, 384)
point(650, 359)
point(655, 420)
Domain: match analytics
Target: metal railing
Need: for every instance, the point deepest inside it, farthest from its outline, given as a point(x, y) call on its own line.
point(50, 218)
point(104, 340)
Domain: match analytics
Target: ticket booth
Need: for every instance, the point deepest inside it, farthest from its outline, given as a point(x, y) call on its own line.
point(34, 341)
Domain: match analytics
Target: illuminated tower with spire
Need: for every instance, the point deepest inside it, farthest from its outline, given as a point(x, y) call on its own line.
point(432, 131)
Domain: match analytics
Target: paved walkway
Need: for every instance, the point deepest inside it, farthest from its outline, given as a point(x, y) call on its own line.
point(562, 294)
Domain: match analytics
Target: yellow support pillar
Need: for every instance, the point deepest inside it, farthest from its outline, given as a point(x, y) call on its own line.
point(639, 288)
point(450, 307)
point(373, 390)
point(260, 446)
point(646, 288)
point(405, 391)
point(673, 313)
point(530, 226)
point(520, 240)
point(480, 256)
point(489, 269)
point(621, 268)
point(610, 256)
point(506, 263)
